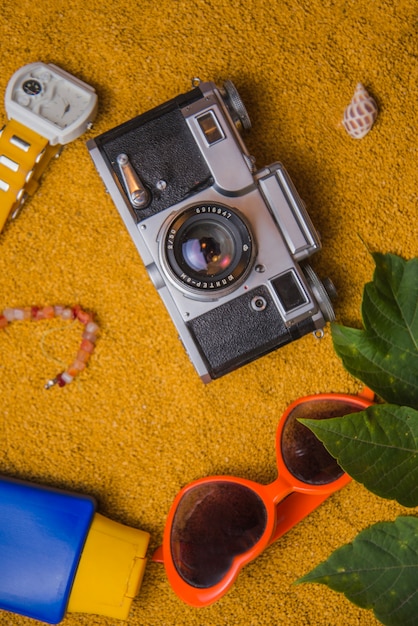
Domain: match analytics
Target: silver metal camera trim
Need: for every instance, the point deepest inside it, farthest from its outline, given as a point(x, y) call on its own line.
point(231, 149)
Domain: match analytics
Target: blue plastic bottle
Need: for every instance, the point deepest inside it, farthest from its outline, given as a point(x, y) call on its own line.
point(57, 554)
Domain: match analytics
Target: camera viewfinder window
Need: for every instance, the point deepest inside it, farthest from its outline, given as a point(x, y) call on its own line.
point(289, 291)
point(210, 127)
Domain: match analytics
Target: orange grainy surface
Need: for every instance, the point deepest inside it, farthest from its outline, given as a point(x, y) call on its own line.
point(137, 424)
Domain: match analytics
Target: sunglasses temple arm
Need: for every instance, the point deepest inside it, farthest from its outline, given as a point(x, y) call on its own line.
point(367, 394)
point(158, 556)
point(293, 509)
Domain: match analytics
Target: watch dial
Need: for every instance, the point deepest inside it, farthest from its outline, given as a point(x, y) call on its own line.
point(52, 97)
point(65, 106)
point(32, 87)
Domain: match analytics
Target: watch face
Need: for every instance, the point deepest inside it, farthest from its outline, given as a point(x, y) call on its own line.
point(51, 97)
point(66, 106)
point(51, 101)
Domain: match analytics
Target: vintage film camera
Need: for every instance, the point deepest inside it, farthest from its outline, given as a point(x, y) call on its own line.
point(224, 244)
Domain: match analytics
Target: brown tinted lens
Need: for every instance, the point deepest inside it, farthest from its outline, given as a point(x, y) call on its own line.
point(213, 523)
point(304, 455)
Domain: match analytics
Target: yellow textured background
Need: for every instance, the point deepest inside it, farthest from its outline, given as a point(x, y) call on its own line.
point(138, 424)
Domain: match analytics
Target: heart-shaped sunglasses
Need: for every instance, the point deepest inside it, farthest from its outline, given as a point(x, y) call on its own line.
point(216, 525)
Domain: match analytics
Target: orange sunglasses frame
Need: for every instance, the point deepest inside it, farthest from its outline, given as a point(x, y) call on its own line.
point(287, 501)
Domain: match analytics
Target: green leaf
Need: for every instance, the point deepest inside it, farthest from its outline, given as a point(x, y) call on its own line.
point(377, 447)
point(378, 570)
point(385, 354)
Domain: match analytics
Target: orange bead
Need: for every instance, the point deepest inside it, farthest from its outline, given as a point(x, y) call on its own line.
point(76, 367)
point(44, 313)
point(83, 316)
point(83, 356)
point(48, 312)
point(3, 321)
point(27, 312)
point(87, 345)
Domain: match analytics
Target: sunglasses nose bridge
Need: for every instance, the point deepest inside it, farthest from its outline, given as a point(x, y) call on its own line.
point(278, 489)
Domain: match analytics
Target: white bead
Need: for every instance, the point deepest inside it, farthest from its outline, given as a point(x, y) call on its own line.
point(67, 378)
point(92, 327)
point(67, 314)
point(9, 314)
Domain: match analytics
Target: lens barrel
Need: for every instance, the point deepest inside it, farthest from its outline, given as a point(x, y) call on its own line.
point(208, 247)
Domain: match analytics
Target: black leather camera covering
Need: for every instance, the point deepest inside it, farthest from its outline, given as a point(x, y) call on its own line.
point(234, 333)
point(160, 147)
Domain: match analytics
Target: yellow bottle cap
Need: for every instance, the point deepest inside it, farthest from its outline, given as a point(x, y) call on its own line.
point(111, 569)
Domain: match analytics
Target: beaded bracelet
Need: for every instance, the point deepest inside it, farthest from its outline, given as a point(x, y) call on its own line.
point(88, 339)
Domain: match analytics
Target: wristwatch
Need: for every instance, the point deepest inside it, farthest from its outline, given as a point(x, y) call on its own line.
point(46, 108)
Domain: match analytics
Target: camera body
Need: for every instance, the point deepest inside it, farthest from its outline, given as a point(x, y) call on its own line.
point(224, 244)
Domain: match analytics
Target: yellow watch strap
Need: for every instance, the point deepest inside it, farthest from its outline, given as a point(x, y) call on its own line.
point(24, 155)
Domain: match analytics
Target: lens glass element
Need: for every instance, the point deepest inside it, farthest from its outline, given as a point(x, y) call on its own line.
point(213, 523)
point(208, 247)
point(303, 454)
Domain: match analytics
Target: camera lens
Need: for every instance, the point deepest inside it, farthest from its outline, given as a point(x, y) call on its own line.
point(208, 247)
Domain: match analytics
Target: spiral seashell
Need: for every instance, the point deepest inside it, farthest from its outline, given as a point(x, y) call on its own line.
point(360, 114)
